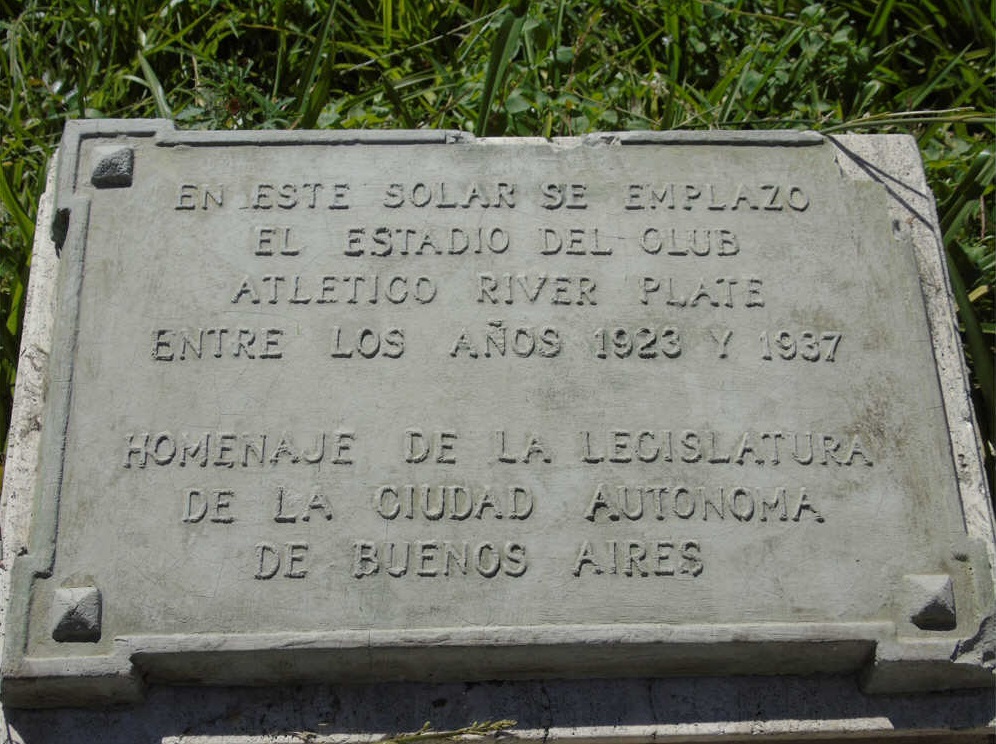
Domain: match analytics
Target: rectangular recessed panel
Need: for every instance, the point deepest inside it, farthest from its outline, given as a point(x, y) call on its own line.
point(420, 406)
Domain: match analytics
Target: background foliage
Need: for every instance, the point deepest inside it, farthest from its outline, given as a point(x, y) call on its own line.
point(548, 67)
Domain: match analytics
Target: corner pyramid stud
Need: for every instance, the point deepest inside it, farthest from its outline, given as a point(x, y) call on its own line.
point(77, 614)
point(931, 601)
point(114, 167)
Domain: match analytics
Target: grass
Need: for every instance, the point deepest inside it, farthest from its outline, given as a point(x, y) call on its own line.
point(489, 730)
point(548, 67)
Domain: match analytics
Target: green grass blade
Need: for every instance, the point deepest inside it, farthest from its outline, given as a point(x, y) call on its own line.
point(978, 348)
point(281, 62)
point(876, 27)
point(309, 100)
point(399, 105)
point(501, 52)
point(971, 186)
point(25, 225)
point(942, 78)
point(155, 87)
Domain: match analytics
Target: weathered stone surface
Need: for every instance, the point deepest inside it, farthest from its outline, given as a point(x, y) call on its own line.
point(932, 602)
point(113, 167)
point(417, 406)
point(76, 614)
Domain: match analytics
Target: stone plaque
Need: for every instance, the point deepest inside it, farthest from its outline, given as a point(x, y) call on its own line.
point(369, 406)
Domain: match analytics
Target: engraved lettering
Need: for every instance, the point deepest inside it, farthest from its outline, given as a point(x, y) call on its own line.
point(639, 558)
point(141, 450)
point(418, 446)
point(523, 288)
point(532, 448)
point(621, 446)
point(642, 343)
point(522, 342)
point(291, 555)
point(572, 242)
point(367, 343)
point(270, 240)
point(445, 195)
point(291, 507)
point(722, 291)
point(198, 503)
point(438, 559)
point(455, 502)
point(722, 339)
point(229, 449)
point(566, 195)
point(247, 343)
point(203, 196)
point(715, 197)
point(667, 501)
point(381, 242)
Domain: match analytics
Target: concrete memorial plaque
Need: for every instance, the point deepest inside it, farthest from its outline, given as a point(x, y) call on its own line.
point(372, 406)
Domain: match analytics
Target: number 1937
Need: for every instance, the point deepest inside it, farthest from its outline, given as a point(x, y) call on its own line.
point(811, 346)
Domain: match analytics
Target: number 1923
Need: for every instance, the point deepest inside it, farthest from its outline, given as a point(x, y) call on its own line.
point(643, 343)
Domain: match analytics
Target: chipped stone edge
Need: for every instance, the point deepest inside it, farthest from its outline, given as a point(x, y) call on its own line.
point(29, 397)
point(941, 314)
point(24, 434)
point(914, 213)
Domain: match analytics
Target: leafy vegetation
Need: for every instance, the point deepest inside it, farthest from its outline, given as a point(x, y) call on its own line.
point(548, 67)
